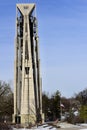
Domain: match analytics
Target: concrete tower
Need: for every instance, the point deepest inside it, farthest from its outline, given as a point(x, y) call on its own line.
point(27, 80)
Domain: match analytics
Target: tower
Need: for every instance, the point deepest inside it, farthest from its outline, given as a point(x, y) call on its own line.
point(27, 80)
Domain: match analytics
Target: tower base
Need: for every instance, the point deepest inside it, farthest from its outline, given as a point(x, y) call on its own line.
point(24, 119)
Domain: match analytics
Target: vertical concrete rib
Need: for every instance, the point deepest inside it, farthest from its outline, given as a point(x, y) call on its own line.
point(15, 71)
point(38, 76)
point(15, 81)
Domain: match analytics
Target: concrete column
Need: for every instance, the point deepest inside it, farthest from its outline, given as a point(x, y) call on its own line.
point(15, 80)
point(38, 76)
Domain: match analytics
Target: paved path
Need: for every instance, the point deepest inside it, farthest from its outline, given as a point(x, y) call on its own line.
point(72, 128)
point(67, 126)
point(63, 126)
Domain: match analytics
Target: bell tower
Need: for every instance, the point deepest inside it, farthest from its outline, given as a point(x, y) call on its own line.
point(27, 79)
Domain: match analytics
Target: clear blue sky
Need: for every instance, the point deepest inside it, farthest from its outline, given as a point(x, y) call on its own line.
point(63, 43)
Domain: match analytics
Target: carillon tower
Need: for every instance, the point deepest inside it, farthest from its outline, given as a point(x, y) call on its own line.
point(27, 79)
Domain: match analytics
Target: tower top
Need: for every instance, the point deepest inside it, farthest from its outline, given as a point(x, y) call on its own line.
point(25, 9)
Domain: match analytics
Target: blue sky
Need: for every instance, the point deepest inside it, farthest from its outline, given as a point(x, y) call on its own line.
point(63, 43)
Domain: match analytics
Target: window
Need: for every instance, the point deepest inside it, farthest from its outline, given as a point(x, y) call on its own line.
point(27, 70)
